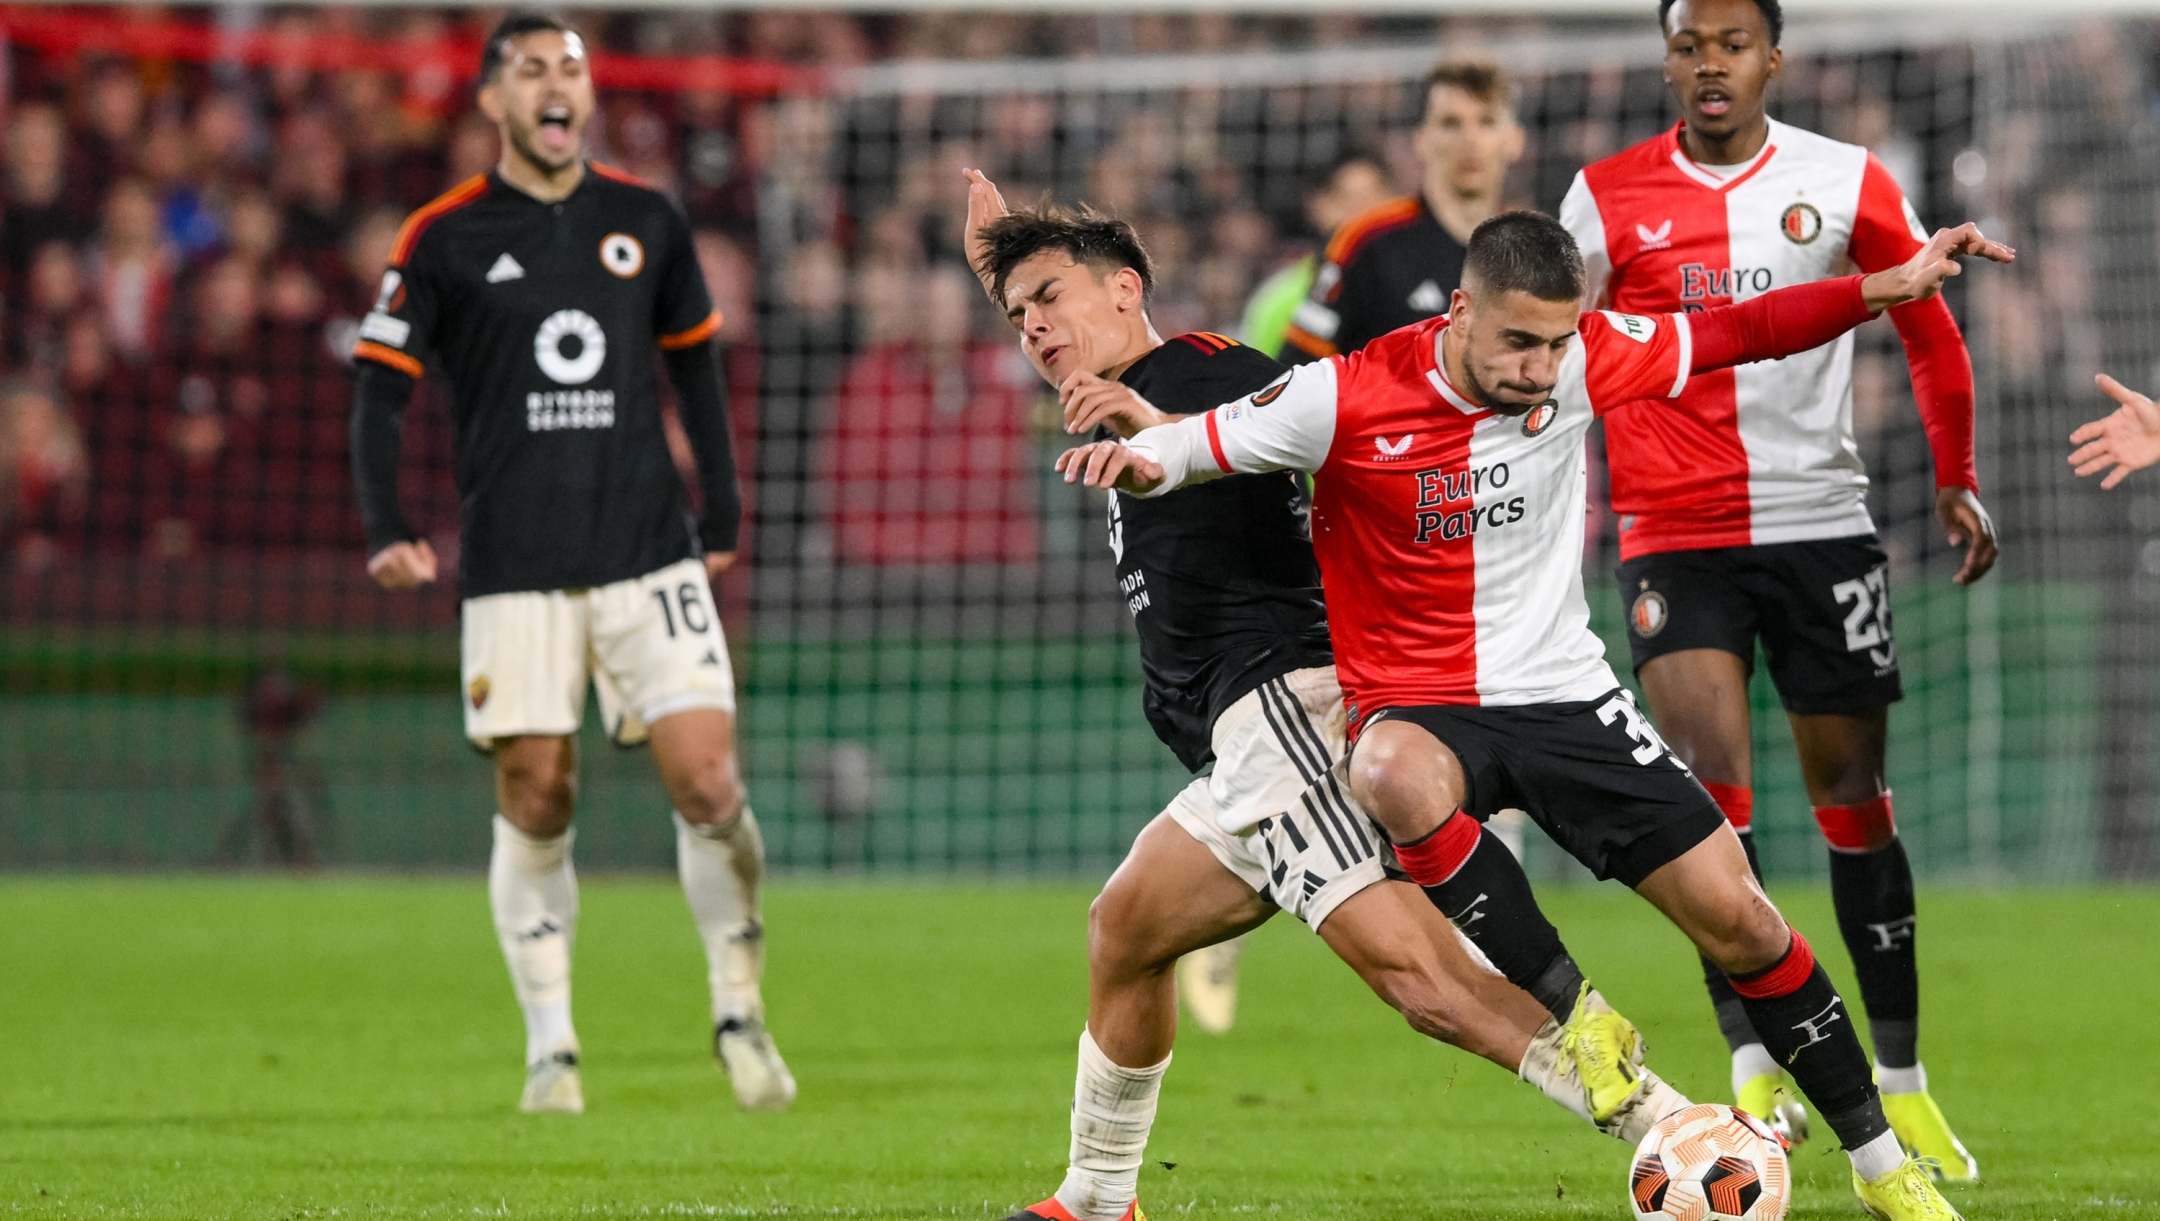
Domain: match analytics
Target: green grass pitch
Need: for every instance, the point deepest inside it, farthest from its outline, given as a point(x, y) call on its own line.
point(347, 1047)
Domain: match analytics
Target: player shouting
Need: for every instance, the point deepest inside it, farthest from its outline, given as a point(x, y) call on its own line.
point(1743, 514)
point(540, 289)
point(1448, 473)
point(1225, 595)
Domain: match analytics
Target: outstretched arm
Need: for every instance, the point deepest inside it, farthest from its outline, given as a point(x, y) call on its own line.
point(1789, 320)
point(2127, 440)
point(1289, 424)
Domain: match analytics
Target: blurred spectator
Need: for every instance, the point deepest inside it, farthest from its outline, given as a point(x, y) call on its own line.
point(310, 179)
point(929, 460)
point(37, 209)
point(42, 472)
point(132, 268)
point(53, 291)
point(253, 228)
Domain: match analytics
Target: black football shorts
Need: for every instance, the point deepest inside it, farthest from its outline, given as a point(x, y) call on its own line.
point(1821, 609)
point(1594, 774)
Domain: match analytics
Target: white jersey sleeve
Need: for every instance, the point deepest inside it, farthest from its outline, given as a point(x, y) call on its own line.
point(1579, 215)
point(1289, 424)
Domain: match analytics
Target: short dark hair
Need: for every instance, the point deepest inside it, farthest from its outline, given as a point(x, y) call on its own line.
point(1773, 15)
point(495, 52)
point(1084, 235)
point(1482, 79)
point(1524, 252)
point(1323, 176)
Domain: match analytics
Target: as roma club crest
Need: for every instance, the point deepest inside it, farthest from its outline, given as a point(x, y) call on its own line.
point(1801, 224)
point(1540, 417)
point(477, 691)
point(1649, 614)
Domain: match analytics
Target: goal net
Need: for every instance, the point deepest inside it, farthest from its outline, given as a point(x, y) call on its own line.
point(937, 669)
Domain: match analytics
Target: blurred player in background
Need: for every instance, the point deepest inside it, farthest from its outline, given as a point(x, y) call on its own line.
point(541, 289)
point(1448, 464)
point(1225, 595)
point(2125, 440)
point(1350, 185)
point(1397, 263)
point(1743, 514)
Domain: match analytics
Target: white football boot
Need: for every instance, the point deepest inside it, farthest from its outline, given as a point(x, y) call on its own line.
point(753, 1065)
point(553, 1085)
point(1207, 983)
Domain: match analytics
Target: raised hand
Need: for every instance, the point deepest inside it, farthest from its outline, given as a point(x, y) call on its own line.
point(1091, 400)
point(2128, 439)
point(403, 565)
point(985, 204)
point(1110, 464)
point(1922, 275)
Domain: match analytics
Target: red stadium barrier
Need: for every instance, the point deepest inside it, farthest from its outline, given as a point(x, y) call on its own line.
point(449, 59)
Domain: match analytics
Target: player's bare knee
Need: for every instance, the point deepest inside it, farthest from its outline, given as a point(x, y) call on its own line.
point(1399, 780)
point(1118, 937)
point(1748, 938)
point(709, 794)
point(537, 795)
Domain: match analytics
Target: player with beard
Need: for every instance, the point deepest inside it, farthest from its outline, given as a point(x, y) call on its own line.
point(541, 290)
point(1225, 596)
point(1448, 464)
point(1743, 515)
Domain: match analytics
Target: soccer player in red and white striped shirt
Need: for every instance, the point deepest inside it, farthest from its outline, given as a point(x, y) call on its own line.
point(1743, 513)
point(1447, 517)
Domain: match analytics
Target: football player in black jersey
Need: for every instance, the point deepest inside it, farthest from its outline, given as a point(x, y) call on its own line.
point(540, 291)
point(1225, 593)
point(1399, 263)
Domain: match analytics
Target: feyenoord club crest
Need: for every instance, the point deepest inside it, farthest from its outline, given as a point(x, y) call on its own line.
point(1649, 615)
point(1540, 416)
point(1801, 224)
point(477, 691)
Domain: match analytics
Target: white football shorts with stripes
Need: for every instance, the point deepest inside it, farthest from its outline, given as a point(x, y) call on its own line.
point(651, 646)
point(1276, 811)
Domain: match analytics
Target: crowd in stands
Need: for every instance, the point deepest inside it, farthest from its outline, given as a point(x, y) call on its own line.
point(186, 248)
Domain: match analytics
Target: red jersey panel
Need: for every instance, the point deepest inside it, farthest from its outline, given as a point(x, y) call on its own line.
point(1762, 453)
point(1449, 536)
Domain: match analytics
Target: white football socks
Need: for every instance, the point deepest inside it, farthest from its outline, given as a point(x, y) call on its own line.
point(720, 872)
point(1546, 1065)
point(1113, 1108)
point(533, 893)
point(1749, 1061)
point(1901, 1080)
point(1878, 1157)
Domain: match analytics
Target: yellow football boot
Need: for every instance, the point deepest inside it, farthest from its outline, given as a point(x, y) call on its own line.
point(1767, 1097)
point(1608, 1054)
point(1904, 1194)
point(1921, 1128)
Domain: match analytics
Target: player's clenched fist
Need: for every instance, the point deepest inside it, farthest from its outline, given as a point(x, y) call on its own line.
point(2127, 440)
point(1091, 401)
point(1112, 464)
point(403, 565)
